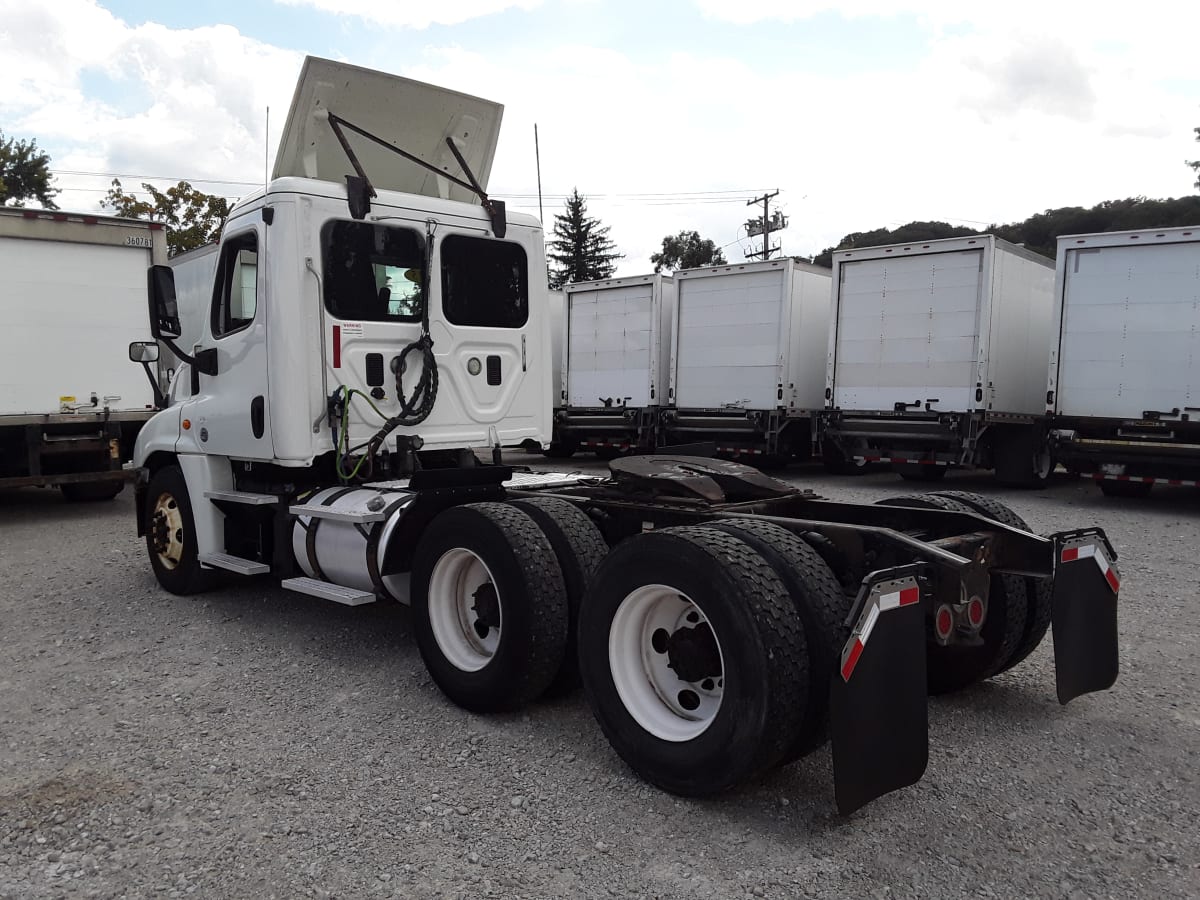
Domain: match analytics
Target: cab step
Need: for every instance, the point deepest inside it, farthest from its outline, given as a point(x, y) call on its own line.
point(243, 497)
point(231, 563)
point(327, 591)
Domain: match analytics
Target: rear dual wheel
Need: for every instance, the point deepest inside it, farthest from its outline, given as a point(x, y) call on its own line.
point(489, 605)
point(959, 665)
point(695, 659)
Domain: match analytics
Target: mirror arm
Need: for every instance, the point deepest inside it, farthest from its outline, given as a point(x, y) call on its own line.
point(160, 399)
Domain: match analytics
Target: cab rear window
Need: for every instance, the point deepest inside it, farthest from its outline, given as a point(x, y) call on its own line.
point(485, 282)
point(372, 272)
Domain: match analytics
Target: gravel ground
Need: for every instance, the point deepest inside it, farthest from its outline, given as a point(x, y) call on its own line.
point(255, 743)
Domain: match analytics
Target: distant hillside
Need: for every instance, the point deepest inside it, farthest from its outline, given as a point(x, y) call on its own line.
point(1040, 232)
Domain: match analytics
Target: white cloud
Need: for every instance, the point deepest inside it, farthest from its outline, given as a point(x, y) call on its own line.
point(409, 14)
point(186, 103)
point(995, 122)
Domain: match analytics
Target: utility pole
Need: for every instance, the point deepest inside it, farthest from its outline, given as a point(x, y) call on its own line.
point(765, 225)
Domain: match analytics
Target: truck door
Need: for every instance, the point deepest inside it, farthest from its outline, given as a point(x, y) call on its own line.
point(230, 414)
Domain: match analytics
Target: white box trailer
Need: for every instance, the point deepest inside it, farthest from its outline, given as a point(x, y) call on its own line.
point(934, 357)
point(748, 357)
point(615, 348)
point(1124, 383)
point(73, 299)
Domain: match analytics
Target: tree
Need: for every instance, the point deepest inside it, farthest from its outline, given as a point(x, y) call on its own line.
point(581, 249)
point(1195, 163)
point(193, 218)
point(687, 250)
point(24, 174)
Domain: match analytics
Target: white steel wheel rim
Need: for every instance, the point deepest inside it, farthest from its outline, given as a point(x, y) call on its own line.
point(1043, 463)
point(652, 693)
point(168, 517)
point(466, 641)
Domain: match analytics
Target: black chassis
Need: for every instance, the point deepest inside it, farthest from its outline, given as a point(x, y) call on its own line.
point(880, 722)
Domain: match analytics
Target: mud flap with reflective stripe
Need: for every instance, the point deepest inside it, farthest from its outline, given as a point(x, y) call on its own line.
point(878, 710)
point(1086, 583)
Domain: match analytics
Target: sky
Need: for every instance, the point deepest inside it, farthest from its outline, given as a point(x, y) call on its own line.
point(666, 114)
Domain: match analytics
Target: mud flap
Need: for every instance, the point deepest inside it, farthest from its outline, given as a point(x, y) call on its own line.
point(1086, 583)
point(878, 710)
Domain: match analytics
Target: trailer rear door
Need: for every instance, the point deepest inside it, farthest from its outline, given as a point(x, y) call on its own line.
point(70, 311)
point(1130, 340)
point(610, 345)
point(732, 335)
point(908, 331)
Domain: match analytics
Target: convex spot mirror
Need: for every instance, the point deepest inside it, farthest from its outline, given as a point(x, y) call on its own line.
point(143, 352)
point(164, 310)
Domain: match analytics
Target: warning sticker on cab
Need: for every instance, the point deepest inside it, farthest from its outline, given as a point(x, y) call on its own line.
point(352, 329)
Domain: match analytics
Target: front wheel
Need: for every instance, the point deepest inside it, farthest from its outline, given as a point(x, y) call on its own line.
point(694, 659)
point(171, 533)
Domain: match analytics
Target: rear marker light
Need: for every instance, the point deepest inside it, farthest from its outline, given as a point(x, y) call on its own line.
point(944, 622)
point(975, 612)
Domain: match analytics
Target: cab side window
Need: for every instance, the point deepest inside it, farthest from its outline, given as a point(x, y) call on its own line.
point(236, 298)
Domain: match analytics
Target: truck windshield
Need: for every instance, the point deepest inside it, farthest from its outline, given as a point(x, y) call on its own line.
point(372, 272)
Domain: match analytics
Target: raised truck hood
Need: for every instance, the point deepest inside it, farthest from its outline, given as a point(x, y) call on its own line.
point(411, 115)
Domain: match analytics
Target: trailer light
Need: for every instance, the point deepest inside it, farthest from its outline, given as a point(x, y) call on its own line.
point(943, 622)
point(474, 366)
point(975, 612)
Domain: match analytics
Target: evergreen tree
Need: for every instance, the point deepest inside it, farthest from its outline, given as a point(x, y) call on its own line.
point(581, 249)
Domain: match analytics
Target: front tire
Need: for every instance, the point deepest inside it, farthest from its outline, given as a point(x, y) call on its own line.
point(489, 606)
point(171, 533)
point(693, 659)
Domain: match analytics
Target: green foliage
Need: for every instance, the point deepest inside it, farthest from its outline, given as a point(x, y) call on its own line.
point(1195, 163)
point(581, 249)
point(687, 250)
point(24, 174)
point(193, 218)
point(1040, 232)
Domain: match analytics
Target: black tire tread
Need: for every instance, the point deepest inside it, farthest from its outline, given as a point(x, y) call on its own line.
point(823, 607)
point(546, 593)
point(746, 585)
point(189, 578)
point(1038, 591)
point(580, 548)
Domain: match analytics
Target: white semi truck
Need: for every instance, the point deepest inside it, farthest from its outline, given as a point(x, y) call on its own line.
point(368, 335)
point(72, 298)
point(935, 360)
point(1124, 386)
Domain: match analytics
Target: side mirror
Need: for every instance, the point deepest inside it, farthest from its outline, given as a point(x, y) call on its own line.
point(164, 310)
point(143, 352)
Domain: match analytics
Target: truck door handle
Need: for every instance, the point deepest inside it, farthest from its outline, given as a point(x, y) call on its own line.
point(258, 416)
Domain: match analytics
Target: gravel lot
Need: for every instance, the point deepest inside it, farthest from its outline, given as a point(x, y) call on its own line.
point(256, 743)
